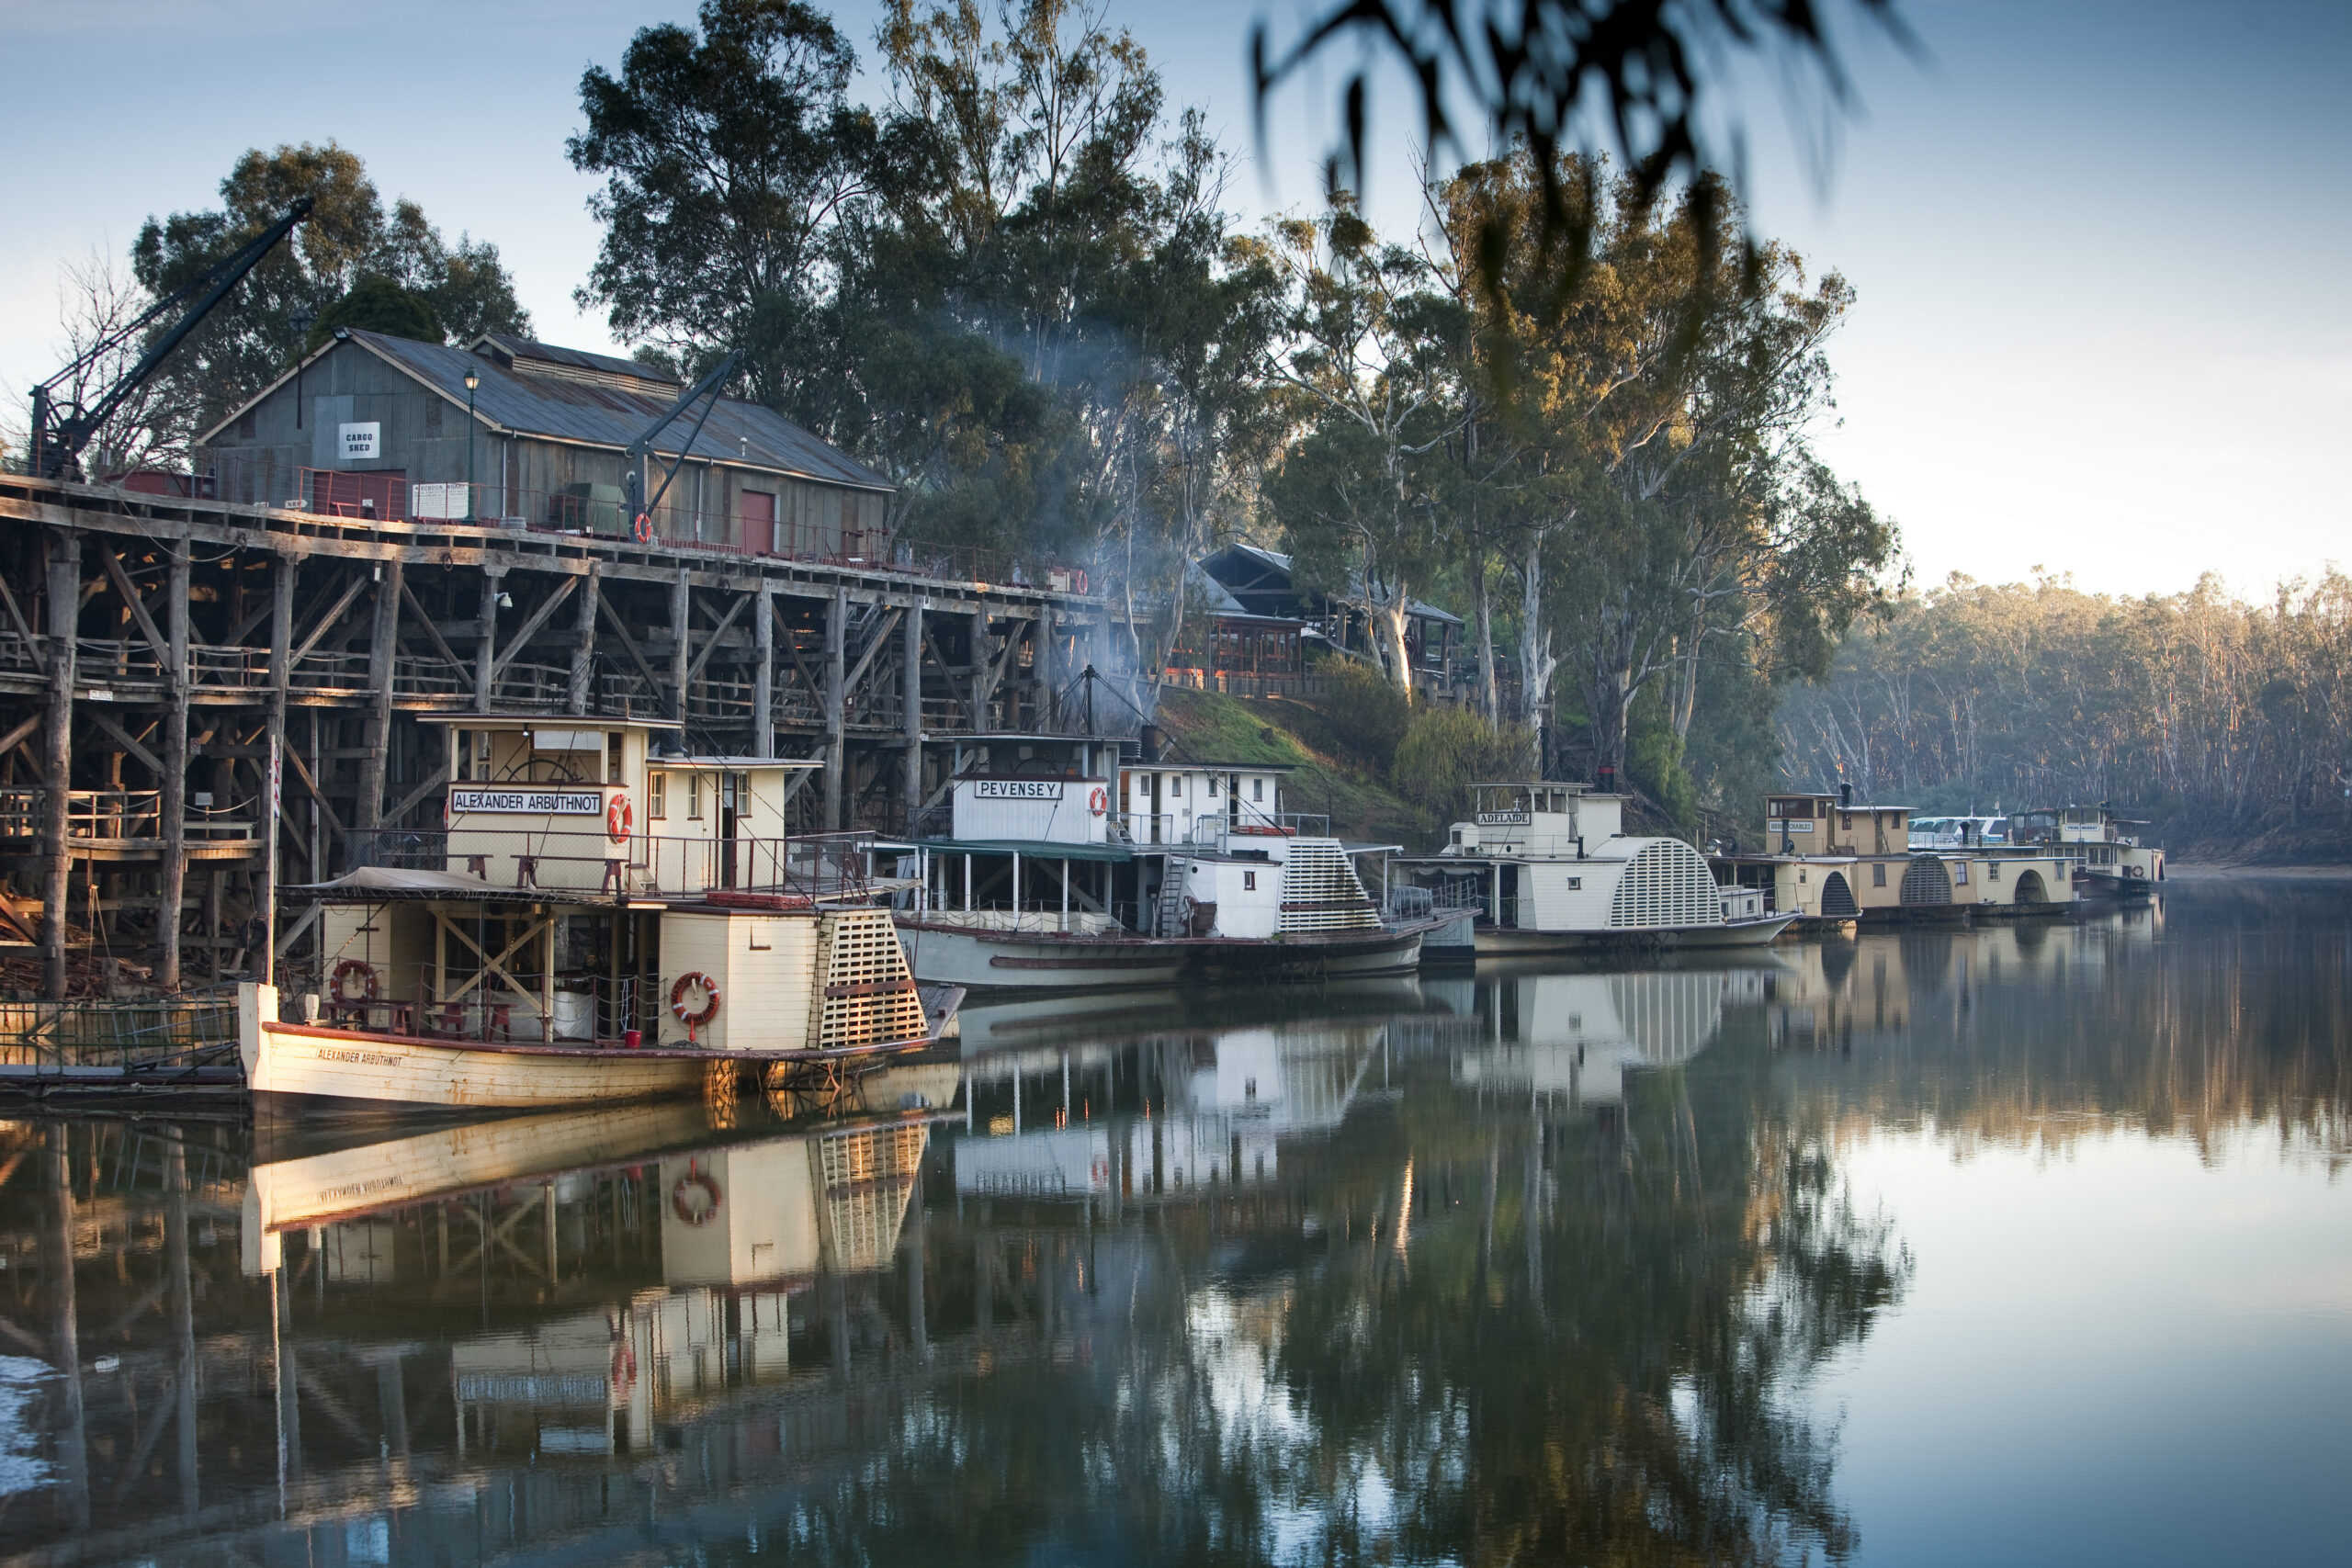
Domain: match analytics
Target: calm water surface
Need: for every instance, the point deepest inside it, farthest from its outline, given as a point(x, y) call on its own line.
point(2021, 1244)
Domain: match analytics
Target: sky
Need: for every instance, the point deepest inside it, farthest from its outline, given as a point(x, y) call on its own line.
point(2098, 244)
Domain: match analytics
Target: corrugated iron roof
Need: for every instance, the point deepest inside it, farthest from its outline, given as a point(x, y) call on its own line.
point(1420, 609)
point(606, 415)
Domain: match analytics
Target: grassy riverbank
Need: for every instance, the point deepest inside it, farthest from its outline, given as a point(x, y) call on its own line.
point(1207, 727)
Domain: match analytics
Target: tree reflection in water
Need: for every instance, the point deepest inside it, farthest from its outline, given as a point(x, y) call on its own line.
point(1528, 1269)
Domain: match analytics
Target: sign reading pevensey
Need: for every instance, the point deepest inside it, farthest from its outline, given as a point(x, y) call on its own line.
point(1017, 789)
point(529, 802)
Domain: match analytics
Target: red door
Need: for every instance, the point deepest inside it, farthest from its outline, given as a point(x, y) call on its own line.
point(759, 523)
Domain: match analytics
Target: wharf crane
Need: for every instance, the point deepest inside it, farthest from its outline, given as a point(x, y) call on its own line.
point(63, 426)
point(640, 509)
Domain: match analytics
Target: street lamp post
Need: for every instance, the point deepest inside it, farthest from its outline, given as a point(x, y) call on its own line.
point(473, 380)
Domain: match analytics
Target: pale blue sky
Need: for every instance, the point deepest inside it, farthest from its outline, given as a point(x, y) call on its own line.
point(2097, 245)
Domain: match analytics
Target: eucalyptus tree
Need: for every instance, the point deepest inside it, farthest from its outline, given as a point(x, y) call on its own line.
point(731, 153)
point(1365, 360)
point(1669, 504)
point(351, 237)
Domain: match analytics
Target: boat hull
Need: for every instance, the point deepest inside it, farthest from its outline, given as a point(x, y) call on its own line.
point(980, 959)
point(1042, 961)
point(1503, 944)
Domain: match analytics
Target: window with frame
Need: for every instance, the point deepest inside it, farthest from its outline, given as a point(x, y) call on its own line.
point(1248, 882)
point(657, 794)
point(1256, 789)
point(694, 797)
point(613, 758)
point(1878, 874)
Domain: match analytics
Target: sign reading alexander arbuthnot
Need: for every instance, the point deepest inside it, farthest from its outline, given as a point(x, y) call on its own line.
point(1016, 789)
point(529, 802)
point(360, 443)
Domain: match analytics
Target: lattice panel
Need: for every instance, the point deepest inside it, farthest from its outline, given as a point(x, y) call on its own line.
point(1320, 892)
point(1925, 880)
point(873, 1155)
point(864, 994)
point(1665, 884)
point(1838, 898)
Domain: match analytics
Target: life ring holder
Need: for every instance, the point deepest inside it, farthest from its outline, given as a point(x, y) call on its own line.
point(620, 819)
point(693, 1021)
point(344, 971)
point(695, 1177)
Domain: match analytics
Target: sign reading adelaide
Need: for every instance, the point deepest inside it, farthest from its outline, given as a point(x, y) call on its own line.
point(1016, 789)
point(529, 802)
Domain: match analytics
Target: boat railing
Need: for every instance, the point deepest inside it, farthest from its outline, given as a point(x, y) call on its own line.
point(594, 864)
point(455, 1001)
point(1216, 830)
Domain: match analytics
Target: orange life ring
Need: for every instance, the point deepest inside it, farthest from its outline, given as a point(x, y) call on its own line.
point(619, 818)
point(1099, 802)
point(344, 971)
point(693, 1178)
point(643, 528)
point(693, 1021)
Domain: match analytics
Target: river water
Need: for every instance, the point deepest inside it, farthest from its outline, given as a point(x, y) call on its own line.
point(2016, 1244)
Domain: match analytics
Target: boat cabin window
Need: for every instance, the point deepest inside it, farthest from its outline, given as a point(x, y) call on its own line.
point(1256, 789)
point(1878, 874)
point(613, 758)
point(657, 794)
point(1176, 786)
point(694, 797)
point(1248, 882)
point(1212, 786)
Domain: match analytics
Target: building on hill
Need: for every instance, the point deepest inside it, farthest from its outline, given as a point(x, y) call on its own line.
point(1262, 584)
point(1224, 648)
point(377, 426)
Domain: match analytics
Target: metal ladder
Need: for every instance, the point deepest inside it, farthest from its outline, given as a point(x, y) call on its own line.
point(1167, 914)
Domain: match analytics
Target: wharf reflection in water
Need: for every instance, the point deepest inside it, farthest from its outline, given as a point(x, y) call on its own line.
point(1523, 1265)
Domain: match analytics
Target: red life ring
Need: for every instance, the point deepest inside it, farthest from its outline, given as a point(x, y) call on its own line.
point(692, 1180)
point(1099, 802)
point(624, 1366)
point(619, 818)
point(643, 528)
point(693, 1021)
point(344, 971)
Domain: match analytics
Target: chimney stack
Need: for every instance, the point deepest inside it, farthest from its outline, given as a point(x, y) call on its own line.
point(1845, 796)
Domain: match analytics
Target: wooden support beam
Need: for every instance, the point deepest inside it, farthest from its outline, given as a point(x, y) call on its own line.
point(24, 730)
point(319, 628)
point(910, 701)
point(384, 667)
point(440, 777)
point(584, 647)
point(763, 677)
point(173, 805)
point(432, 632)
point(836, 720)
point(874, 647)
point(792, 648)
point(282, 670)
point(129, 591)
point(486, 650)
point(530, 627)
point(326, 807)
point(629, 646)
point(1044, 665)
point(64, 594)
point(33, 644)
point(981, 686)
point(681, 617)
point(130, 742)
point(694, 670)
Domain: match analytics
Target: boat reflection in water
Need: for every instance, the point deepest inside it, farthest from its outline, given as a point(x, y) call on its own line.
point(1519, 1266)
